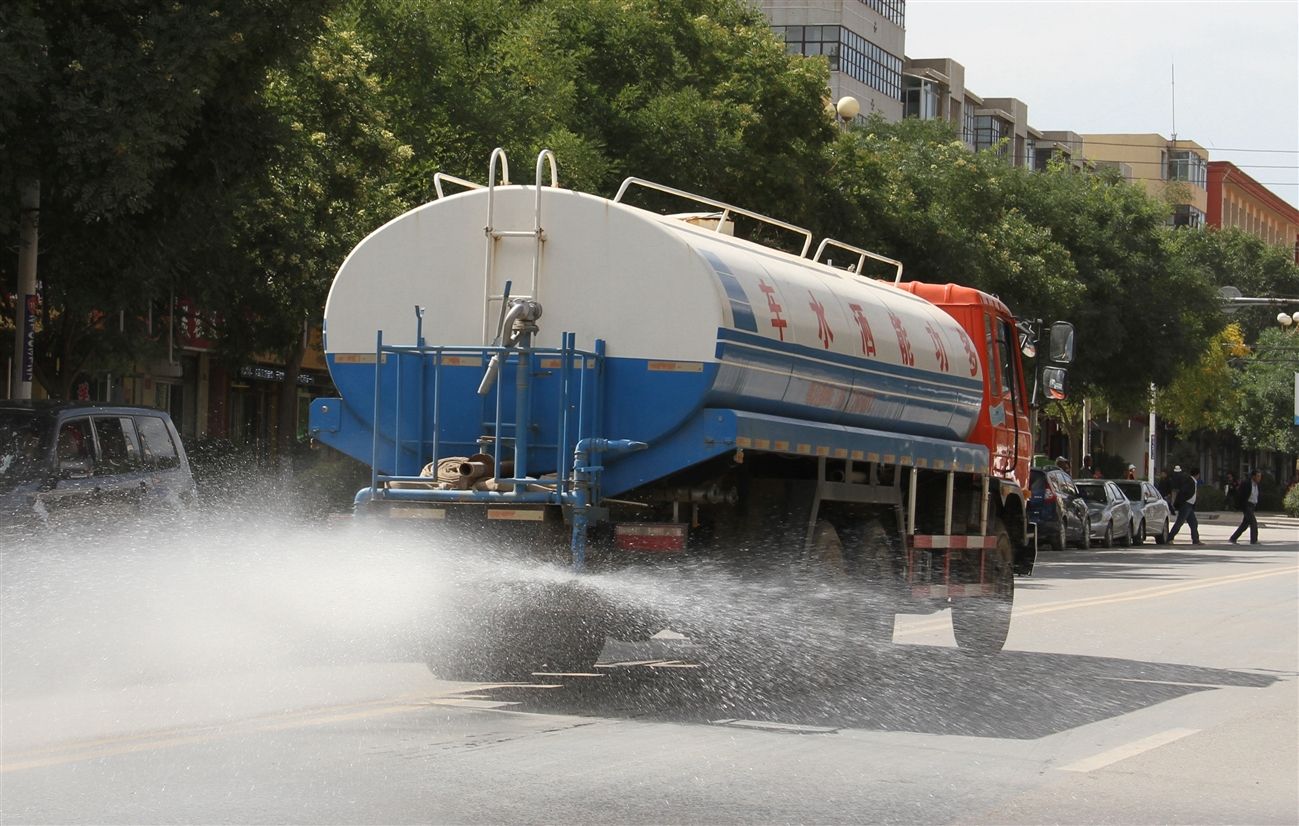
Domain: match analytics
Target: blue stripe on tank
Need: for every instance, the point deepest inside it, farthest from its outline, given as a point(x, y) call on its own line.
point(741, 310)
point(856, 363)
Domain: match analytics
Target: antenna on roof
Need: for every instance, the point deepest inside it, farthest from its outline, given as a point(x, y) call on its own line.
point(1172, 83)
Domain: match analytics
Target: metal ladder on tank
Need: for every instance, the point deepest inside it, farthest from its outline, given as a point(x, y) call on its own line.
point(494, 235)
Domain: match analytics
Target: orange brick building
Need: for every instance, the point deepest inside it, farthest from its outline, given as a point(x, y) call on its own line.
point(1237, 200)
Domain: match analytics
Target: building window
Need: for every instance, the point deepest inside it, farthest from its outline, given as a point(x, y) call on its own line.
point(847, 52)
point(989, 131)
point(892, 10)
point(920, 98)
point(1184, 165)
point(1185, 215)
point(1030, 154)
point(967, 125)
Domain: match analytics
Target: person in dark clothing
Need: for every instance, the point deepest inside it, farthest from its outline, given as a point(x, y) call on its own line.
point(1247, 499)
point(1164, 484)
point(1185, 487)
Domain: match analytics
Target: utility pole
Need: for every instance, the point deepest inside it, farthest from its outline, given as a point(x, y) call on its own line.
point(25, 310)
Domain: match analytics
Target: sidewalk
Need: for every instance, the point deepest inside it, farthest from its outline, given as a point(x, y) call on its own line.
point(1274, 528)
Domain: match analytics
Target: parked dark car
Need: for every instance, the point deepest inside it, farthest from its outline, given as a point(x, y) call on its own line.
point(1111, 515)
point(1057, 509)
point(59, 458)
point(1149, 509)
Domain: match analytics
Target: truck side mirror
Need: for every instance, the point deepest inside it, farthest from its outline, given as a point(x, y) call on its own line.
point(1056, 380)
point(1062, 342)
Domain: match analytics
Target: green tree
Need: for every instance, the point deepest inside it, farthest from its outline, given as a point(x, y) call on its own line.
point(694, 93)
point(332, 177)
point(136, 118)
point(1203, 394)
point(1265, 420)
point(1233, 258)
point(1138, 295)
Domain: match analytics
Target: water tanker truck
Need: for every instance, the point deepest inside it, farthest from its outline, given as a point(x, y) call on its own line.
point(611, 385)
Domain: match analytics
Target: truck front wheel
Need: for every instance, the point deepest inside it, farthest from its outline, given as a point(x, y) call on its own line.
point(981, 624)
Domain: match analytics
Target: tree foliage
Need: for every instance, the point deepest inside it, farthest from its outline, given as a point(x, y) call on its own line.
point(1203, 394)
point(137, 119)
point(1265, 416)
point(694, 93)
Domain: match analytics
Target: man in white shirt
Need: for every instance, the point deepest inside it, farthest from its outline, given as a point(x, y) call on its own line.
point(1247, 496)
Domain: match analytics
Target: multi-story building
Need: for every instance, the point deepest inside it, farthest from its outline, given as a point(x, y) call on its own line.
point(1176, 171)
point(862, 40)
point(933, 88)
point(1237, 200)
point(1063, 146)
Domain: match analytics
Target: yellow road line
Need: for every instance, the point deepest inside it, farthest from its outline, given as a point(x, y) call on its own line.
point(1151, 592)
point(1127, 750)
point(77, 751)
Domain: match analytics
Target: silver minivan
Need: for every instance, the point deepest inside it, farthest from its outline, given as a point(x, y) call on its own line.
point(70, 457)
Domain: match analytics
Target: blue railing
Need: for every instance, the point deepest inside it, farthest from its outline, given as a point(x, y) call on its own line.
point(578, 416)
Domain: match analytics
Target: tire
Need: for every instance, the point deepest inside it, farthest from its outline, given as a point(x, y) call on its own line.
point(1127, 534)
point(859, 552)
point(1086, 542)
point(1058, 540)
point(534, 628)
point(1162, 537)
point(1140, 538)
point(1108, 540)
point(981, 624)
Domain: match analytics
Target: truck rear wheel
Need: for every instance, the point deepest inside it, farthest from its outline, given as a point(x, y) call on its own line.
point(981, 624)
point(519, 629)
point(860, 554)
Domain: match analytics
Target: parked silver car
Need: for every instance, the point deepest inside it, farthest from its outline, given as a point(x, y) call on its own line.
point(1111, 514)
point(1149, 509)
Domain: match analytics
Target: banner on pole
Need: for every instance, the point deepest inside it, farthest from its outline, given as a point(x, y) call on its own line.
point(29, 337)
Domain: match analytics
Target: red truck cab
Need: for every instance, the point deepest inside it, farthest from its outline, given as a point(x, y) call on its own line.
point(1003, 423)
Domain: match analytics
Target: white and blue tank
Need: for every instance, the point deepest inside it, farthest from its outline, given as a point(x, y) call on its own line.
point(692, 319)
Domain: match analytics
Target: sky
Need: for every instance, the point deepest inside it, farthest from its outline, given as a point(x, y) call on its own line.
point(1110, 65)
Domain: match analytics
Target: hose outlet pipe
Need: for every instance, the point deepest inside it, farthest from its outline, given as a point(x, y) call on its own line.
point(521, 318)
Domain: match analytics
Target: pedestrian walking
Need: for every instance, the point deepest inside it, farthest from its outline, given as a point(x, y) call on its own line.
point(1164, 485)
point(1247, 499)
point(1185, 487)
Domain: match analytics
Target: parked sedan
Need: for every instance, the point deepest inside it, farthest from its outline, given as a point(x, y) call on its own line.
point(1057, 510)
point(1111, 515)
point(1149, 510)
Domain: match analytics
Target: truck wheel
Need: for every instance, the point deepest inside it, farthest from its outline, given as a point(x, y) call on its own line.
point(981, 624)
point(859, 551)
point(521, 629)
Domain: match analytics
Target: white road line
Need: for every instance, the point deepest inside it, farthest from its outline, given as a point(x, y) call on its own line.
point(1132, 749)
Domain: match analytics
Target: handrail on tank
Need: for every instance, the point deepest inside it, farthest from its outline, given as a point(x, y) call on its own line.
point(861, 261)
point(439, 177)
point(543, 156)
point(722, 205)
point(489, 256)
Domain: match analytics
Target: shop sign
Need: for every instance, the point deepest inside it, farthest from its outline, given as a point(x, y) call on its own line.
point(272, 374)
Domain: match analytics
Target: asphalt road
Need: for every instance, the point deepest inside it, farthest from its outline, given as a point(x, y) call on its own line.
point(1154, 684)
